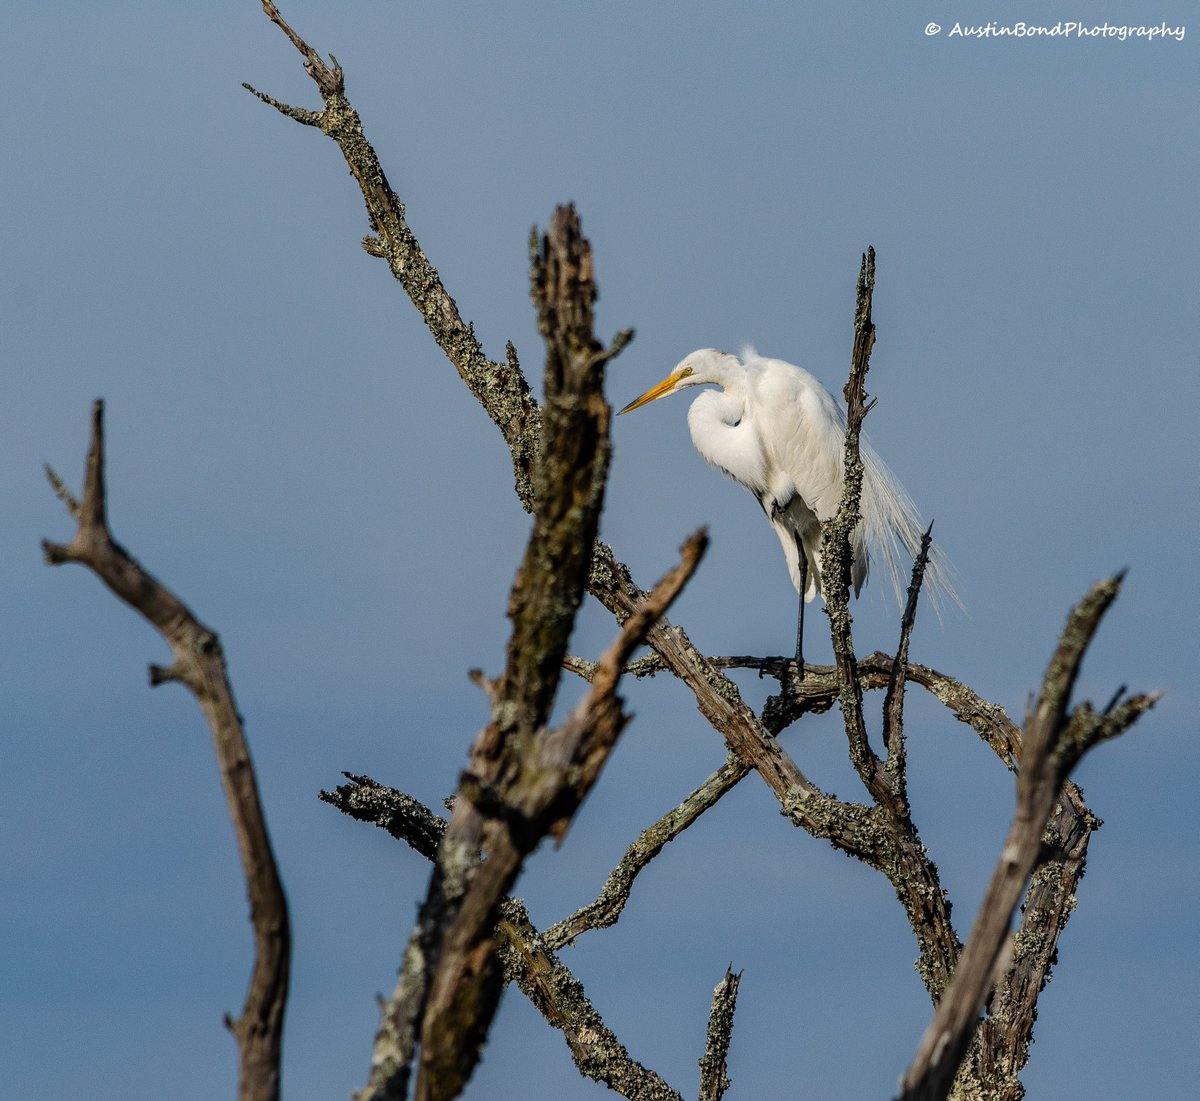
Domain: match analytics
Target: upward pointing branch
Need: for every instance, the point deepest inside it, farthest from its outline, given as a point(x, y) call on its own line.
point(1054, 742)
point(200, 664)
point(836, 537)
point(499, 387)
point(524, 781)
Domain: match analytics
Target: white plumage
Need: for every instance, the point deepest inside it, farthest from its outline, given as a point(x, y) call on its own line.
point(775, 429)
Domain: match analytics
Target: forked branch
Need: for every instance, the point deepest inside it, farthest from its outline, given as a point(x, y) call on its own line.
point(499, 387)
point(1055, 740)
point(502, 391)
point(200, 665)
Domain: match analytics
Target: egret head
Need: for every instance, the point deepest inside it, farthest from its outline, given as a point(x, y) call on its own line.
point(706, 365)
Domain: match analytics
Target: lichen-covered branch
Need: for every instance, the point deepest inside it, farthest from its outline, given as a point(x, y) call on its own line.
point(836, 553)
point(717, 696)
point(1001, 1046)
point(849, 826)
point(882, 834)
point(502, 391)
point(901, 856)
point(607, 907)
point(1054, 742)
point(200, 665)
point(518, 786)
point(873, 834)
point(893, 702)
point(527, 956)
point(531, 963)
point(500, 387)
point(714, 1079)
point(524, 782)
point(402, 816)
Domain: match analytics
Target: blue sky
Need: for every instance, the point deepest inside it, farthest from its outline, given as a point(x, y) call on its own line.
point(291, 453)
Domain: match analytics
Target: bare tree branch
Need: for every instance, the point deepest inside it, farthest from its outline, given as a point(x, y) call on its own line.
point(607, 907)
point(514, 781)
point(63, 493)
point(532, 965)
point(893, 702)
point(199, 664)
point(900, 854)
point(502, 391)
point(1053, 744)
point(714, 1080)
point(527, 957)
point(1003, 1039)
point(1001, 1046)
point(836, 538)
point(499, 387)
point(881, 835)
point(404, 817)
point(816, 693)
point(523, 782)
point(540, 794)
point(871, 834)
point(721, 703)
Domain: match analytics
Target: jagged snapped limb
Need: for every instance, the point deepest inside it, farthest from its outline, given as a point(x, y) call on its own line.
point(524, 782)
point(714, 1080)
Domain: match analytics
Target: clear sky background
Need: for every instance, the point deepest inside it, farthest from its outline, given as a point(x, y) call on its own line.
point(289, 450)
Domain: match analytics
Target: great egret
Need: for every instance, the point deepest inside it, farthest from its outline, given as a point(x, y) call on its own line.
point(775, 429)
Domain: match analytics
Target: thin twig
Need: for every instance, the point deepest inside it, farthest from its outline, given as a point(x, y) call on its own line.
point(611, 901)
point(893, 702)
point(62, 492)
point(500, 388)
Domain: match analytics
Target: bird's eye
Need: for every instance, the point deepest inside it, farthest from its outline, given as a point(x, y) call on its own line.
point(685, 372)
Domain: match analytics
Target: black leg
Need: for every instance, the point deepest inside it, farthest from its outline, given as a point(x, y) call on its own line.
point(800, 614)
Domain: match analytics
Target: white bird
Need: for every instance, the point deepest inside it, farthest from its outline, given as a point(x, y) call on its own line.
point(775, 429)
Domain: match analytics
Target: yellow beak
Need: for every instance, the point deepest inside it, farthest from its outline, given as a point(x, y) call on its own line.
point(661, 390)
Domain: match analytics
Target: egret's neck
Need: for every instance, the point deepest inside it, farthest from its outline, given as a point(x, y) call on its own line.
point(728, 404)
point(725, 438)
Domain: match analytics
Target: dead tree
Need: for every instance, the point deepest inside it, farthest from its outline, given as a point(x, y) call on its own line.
point(525, 780)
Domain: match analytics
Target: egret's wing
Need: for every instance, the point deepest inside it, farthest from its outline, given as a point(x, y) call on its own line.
point(803, 433)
